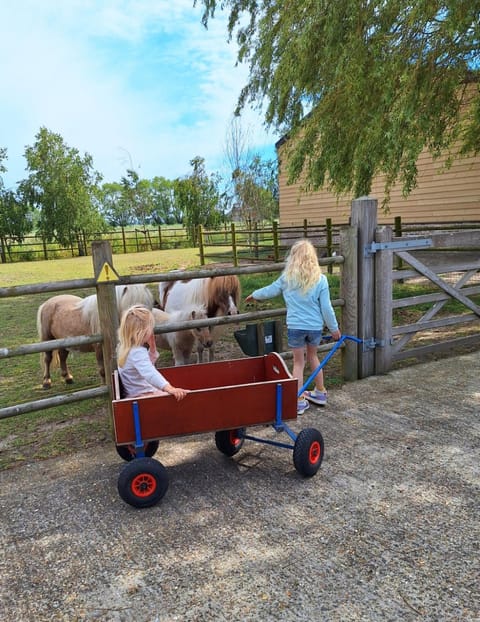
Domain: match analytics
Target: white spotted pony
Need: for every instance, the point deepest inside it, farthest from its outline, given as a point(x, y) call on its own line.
point(220, 295)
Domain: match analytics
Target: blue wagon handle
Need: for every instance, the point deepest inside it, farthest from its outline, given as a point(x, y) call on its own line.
point(338, 344)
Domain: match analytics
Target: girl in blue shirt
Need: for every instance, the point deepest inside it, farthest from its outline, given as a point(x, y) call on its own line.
point(307, 298)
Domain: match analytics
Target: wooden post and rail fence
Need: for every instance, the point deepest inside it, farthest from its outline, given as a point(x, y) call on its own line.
point(367, 274)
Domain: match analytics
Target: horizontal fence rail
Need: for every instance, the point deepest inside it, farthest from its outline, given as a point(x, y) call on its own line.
point(76, 342)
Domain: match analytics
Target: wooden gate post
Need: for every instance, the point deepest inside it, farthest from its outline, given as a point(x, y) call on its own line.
point(364, 217)
point(349, 294)
point(106, 279)
point(383, 303)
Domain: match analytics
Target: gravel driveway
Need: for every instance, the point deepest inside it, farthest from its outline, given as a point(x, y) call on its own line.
point(387, 530)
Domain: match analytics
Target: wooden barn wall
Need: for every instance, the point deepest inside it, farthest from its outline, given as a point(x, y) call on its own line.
point(442, 195)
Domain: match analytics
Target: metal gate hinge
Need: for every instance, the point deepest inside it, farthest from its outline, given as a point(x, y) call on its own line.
point(397, 245)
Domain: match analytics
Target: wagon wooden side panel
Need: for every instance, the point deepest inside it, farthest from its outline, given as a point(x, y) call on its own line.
point(224, 395)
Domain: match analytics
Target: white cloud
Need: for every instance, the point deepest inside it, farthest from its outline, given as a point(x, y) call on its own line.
point(123, 80)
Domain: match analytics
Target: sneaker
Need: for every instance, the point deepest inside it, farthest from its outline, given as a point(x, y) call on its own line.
point(316, 397)
point(302, 406)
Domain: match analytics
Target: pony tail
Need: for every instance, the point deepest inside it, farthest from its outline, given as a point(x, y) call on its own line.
point(40, 325)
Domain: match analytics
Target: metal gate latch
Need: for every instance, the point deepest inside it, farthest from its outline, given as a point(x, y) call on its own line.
point(372, 343)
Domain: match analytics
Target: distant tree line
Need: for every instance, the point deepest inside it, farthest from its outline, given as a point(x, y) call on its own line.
point(63, 199)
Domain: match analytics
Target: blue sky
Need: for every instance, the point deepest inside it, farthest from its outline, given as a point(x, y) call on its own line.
point(132, 82)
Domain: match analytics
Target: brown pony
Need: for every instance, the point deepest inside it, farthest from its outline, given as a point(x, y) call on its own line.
point(181, 342)
point(71, 316)
point(219, 294)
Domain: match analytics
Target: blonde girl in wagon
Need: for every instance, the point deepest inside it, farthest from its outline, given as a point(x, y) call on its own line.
point(136, 356)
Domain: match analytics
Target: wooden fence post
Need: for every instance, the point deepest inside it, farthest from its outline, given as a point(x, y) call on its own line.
point(383, 303)
point(234, 245)
point(364, 217)
point(329, 242)
point(276, 249)
point(200, 245)
point(255, 239)
point(349, 294)
point(398, 234)
point(107, 305)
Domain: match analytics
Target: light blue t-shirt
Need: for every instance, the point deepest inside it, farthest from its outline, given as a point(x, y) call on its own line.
point(310, 311)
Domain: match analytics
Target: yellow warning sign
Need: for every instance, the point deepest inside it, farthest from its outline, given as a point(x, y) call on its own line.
point(107, 273)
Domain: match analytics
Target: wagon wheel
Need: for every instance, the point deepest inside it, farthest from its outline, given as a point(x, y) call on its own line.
point(308, 452)
point(128, 452)
point(143, 482)
point(229, 442)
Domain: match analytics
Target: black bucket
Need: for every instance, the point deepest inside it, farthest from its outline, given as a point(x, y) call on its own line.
point(261, 338)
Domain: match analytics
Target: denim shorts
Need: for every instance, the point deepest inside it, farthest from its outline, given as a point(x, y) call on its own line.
point(298, 338)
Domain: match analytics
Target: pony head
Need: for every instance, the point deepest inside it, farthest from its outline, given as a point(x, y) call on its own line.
point(223, 295)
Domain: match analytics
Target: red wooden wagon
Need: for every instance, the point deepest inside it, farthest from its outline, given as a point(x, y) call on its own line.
point(225, 397)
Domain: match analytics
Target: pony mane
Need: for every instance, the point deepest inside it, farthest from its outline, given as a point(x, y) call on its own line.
point(200, 311)
point(128, 295)
point(89, 309)
point(219, 290)
point(180, 315)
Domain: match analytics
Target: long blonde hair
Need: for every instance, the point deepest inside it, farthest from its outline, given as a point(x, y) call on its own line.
point(302, 270)
point(136, 326)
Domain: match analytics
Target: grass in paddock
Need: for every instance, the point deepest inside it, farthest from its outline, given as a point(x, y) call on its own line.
point(62, 429)
point(67, 428)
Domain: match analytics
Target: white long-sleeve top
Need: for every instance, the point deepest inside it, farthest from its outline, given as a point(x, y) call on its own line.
point(139, 375)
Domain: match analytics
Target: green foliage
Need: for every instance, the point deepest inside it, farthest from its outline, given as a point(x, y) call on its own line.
point(3, 156)
point(164, 210)
point(361, 87)
point(256, 188)
point(253, 188)
point(198, 197)
point(62, 185)
point(15, 220)
point(113, 205)
point(15, 216)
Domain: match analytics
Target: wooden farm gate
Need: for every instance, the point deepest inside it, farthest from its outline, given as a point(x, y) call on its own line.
point(449, 263)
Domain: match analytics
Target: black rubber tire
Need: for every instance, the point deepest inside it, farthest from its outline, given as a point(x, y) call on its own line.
point(143, 482)
point(308, 452)
point(229, 442)
point(127, 452)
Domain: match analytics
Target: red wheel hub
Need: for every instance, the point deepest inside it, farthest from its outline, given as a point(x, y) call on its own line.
point(144, 485)
point(314, 452)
